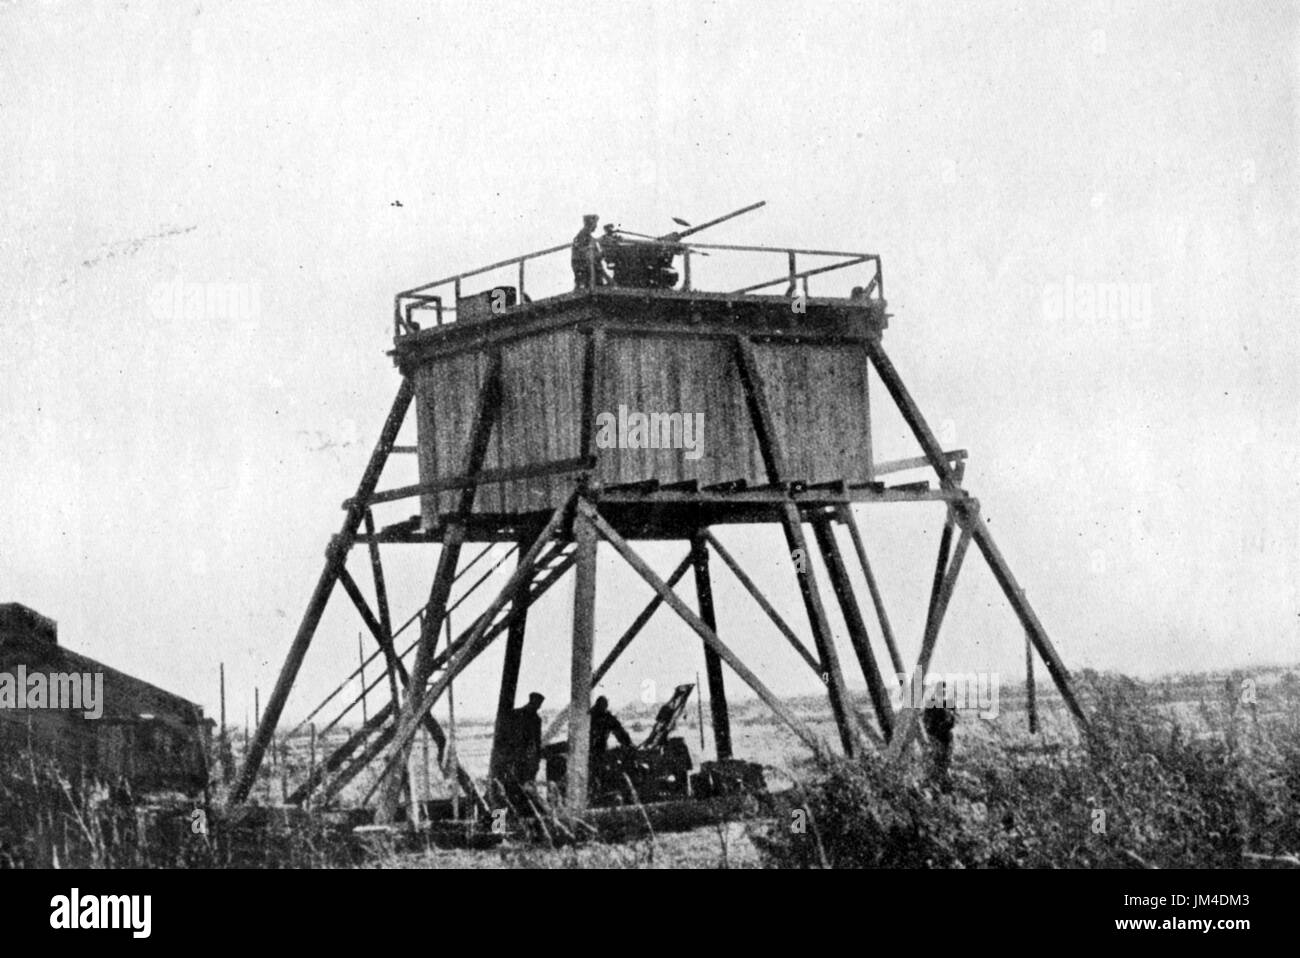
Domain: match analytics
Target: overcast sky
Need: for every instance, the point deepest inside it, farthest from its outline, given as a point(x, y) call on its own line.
point(169, 482)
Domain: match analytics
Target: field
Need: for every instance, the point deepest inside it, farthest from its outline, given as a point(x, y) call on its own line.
point(1193, 770)
point(1186, 771)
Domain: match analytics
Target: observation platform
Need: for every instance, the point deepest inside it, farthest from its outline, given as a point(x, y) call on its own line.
point(681, 407)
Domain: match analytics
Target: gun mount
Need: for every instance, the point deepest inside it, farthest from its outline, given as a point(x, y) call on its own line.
point(642, 265)
point(657, 769)
point(644, 262)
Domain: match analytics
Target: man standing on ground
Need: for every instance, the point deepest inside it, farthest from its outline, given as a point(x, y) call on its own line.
point(940, 718)
point(521, 753)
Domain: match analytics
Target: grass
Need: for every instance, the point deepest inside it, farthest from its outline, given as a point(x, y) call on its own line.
point(1193, 773)
point(1149, 788)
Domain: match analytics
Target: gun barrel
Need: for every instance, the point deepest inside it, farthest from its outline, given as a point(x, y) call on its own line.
point(721, 219)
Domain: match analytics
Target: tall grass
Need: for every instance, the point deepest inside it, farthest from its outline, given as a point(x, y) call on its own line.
point(50, 818)
point(1153, 786)
point(1145, 790)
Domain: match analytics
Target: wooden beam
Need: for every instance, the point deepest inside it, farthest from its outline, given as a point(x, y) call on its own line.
point(459, 655)
point(430, 723)
point(607, 532)
point(908, 726)
point(385, 616)
point(774, 463)
point(968, 515)
point(340, 755)
point(766, 495)
point(886, 630)
point(760, 415)
point(915, 462)
point(853, 621)
point(398, 666)
point(335, 556)
point(782, 626)
point(485, 417)
point(539, 585)
point(712, 661)
point(561, 467)
point(823, 637)
point(474, 642)
point(347, 773)
point(1031, 692)
point(453, 650)
point(584, 630)
point(939, 606)
point(623, 642)
point(940, 567)
point(514, 656)
point(376, 629)
point(435, 609)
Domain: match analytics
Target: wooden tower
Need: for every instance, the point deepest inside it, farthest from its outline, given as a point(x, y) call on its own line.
point(529, 441)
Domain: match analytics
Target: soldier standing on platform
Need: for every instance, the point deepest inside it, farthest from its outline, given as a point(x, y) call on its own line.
point(585, 252)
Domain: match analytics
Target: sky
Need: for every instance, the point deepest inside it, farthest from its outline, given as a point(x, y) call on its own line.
point(169, 478)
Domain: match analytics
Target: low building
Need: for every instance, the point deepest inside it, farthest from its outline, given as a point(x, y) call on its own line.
point(90, 718)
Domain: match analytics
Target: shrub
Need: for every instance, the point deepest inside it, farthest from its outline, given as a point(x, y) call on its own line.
point(1143, 791)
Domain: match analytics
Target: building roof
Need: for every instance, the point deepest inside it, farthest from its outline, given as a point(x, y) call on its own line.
point(28, 638)
point(18, 619)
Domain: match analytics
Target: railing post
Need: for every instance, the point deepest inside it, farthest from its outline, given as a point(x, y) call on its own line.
point(521, 282)
point(794, 280)
point(686, 269)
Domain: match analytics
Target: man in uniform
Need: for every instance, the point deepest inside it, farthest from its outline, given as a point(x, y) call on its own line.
point(604, 724)
point(604, 773)
point(521, 752)
point(586, 245)
point(940, 717)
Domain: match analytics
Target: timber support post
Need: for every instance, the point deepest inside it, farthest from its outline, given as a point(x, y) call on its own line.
point(712, 661)
point(510, 665)
point(853, 621)
point(584, 624)
point(335, 557)
point(971, 521)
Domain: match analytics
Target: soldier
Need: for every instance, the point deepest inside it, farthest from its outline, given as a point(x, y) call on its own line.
point(586, 245)
point(603, 724)
point(606, 769)
point(610, 245)
point(940, 718)
point(521, 751)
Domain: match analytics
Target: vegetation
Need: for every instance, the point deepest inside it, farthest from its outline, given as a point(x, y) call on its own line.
point(1148, 789)
point(50, 819)
point(1160, 782)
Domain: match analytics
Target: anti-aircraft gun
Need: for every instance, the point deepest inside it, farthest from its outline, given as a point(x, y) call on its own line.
point(659, 768)
point(646, 262)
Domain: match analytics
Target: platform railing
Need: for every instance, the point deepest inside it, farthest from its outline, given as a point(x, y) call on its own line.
point(430, 298)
